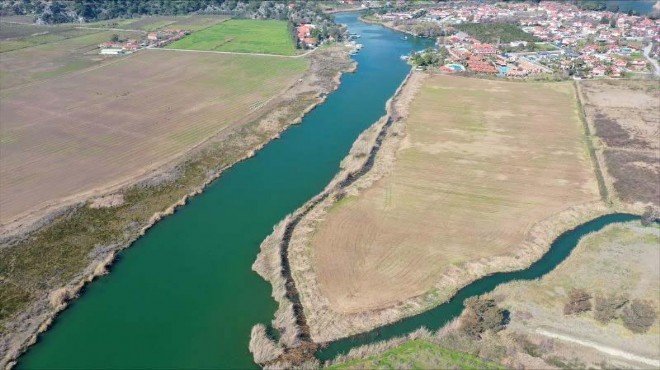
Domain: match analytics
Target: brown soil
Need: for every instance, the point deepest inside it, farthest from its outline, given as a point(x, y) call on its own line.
point(329, 319)
point(117, 123)
point(219, 153)
point(625, 118)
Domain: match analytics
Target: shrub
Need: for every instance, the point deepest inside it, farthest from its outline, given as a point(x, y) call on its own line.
point(482, 315)
point(639, 316)
point(606, 307)
point(262, 347)
point(578, 301)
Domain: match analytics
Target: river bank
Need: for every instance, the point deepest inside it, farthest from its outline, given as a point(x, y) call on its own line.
point(292, 236)
point(389, 25)
point(272, 262)
point(535, 302)
point(164, 191)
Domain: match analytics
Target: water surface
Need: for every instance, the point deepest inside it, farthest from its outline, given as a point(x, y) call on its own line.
point(184, 295)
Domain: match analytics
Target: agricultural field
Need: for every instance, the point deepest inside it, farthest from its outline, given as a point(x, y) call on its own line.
point(617, 265)
point(55, 58)
point(625, 118)
point(154, 23)
point(18, 36)
point(480, 164)
point(120, 120)
point(419, 354)
point(243, 36)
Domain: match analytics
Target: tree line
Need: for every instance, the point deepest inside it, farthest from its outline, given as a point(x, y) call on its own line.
point(63, 11)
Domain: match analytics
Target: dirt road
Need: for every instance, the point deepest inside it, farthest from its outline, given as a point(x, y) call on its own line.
point(604, 349)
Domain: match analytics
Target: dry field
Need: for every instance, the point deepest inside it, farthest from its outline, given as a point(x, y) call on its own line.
point(625, 117)
point(102, 126)
point(481, 163)
point(621, 259)
point(31, 63)
point(151, 23)
point(30, 52)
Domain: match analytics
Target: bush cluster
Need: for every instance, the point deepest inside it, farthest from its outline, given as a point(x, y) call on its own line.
point(638, 316)
point(482, 315)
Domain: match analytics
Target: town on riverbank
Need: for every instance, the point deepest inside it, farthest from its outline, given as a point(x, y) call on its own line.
point(448, 217)
point(549, 39)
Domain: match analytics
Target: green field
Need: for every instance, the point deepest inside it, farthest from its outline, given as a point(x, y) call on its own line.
point(419, 354)
point(494, 32)
point(241, 35)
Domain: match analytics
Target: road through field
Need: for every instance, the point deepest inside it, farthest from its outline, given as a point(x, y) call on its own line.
point(601, 348)
point(236, 53)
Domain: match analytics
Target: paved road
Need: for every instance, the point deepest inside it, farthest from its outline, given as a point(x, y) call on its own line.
point(608, 350)
point(236, 53)
point(656, 66)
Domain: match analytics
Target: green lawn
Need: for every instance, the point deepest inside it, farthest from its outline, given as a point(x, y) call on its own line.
point(419, 354)
point(241, 35)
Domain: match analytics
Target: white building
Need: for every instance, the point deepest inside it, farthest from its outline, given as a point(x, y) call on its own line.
point(111, 51)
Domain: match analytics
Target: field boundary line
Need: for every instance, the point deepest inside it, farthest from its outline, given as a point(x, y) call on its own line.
point(92, 68)
point(110, 29)
point(600, 348)
point(602, 186)
point(236, 53)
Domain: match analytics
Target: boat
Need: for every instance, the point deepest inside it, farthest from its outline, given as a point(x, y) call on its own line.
point(404, 38)
point(405, 57)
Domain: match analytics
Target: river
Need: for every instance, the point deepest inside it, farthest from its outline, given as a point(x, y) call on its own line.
point(184, 295)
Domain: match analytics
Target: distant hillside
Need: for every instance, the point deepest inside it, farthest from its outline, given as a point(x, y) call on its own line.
point(63, 11)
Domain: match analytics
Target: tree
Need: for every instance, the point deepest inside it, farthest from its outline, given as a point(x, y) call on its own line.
point(649, 216)
point(578, 302)
point(639, 316)
point(606, 307)
point(482, 315)
point(114, 37)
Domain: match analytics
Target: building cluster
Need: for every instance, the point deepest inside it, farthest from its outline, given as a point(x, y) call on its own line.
point(152, 40)
point(304, 32)
point(581, 43)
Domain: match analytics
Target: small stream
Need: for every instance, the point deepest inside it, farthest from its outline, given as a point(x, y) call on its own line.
point(184, 295)
point(442, 314)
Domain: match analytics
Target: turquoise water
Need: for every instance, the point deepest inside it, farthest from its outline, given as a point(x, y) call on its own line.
point(638, 6)
point(456, 67)
point(184, 295)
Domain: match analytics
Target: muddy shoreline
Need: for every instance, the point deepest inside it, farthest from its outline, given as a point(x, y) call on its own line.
point(24, 328)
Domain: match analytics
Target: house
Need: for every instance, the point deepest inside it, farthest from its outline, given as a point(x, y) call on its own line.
point(112, 51)
point(304, 31)
point(153, 36)
point(310, 42)
point(484, 49)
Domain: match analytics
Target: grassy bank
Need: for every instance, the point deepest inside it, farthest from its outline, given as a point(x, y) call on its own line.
point(418, 354)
